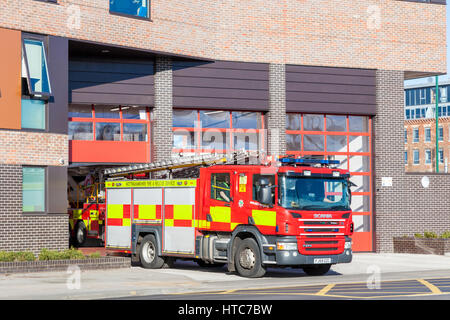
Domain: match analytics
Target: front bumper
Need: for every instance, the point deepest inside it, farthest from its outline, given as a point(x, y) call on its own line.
point(290, 258)
point(295, 258)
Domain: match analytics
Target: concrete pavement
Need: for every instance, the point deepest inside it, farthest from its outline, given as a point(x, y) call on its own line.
point(186, 277)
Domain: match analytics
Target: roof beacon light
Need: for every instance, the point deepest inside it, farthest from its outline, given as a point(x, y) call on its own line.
point(308, 161)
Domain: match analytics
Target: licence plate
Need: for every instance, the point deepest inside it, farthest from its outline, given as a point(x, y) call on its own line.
point(322, 260)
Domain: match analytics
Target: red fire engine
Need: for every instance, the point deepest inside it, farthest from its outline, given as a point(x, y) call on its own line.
point(87, 212)
point(293, 212)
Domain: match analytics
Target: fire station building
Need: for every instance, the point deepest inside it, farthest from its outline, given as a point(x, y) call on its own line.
point(86, 85)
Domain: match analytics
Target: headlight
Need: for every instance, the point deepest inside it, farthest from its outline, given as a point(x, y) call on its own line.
point(348, 245)
point(286, 246)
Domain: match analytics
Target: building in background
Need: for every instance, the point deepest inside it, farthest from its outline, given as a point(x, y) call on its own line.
point(86, 86)
point(420, 127)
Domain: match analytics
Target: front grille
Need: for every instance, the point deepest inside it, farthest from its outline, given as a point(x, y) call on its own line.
point(321, 249)
point(321, 242)
point(320, 223)
point(322, 230)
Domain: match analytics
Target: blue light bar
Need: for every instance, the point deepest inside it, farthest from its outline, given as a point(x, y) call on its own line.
point(308, 161)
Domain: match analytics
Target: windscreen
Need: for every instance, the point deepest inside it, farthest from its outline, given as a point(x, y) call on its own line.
point(310, 193)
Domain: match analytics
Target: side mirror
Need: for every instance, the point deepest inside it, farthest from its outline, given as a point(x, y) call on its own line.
point(265, 195)
point(349, 195)
point(350, 184)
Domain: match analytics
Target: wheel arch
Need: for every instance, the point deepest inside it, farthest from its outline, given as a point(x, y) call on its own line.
point(240, 233)
point(139, 232)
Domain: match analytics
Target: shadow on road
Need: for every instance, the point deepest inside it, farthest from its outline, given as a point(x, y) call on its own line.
point(286, 272)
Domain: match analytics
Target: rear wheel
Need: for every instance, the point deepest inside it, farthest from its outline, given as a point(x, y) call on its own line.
point(148, 253)
point(248, 259)
point(317, 270)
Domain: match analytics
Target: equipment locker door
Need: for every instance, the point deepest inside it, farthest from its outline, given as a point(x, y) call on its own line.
point(179, 220)
point(118, 218)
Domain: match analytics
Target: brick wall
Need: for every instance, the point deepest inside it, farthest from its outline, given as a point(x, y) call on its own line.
point(373, 34)
point(26, 232)
point(406, 207)
point(162, 112)
point(276, 117)
point(33, 148)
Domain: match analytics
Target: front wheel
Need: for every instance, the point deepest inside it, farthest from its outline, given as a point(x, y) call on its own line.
point(80, 233)
point(248, 259)
point(317, 270)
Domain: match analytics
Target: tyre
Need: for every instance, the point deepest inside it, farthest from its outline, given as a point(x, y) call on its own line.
point(80, 234)
point(148, 253)
point(248, 259)
point(316, 270)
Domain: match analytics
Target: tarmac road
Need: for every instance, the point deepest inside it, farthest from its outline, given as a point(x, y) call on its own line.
point(399, 276)
point(423, 289)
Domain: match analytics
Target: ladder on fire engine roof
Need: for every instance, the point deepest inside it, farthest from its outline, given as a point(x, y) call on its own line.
point(183, 164)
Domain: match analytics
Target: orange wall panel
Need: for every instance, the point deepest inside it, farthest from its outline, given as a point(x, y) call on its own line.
point(10, 79)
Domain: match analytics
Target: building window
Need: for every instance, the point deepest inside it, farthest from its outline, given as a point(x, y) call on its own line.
point(36, 87)
point(416, 156)
point(106, 131)
point(108, 123)
point(33, 189)
point(406, 157)
point(33, 114)
point(406, 136)
point(135, 132)
point(34, 68)
point(136, 8)
point(407, 114)
point(417, 113)
point(416, 135)
point(427, 134)
point(441, 133)
point(441, 156)
point(200, 131)
point(81, 131)
point(427, 156)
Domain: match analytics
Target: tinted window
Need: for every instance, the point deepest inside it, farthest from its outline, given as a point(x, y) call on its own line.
point(33, 114)
point(34, 66)
point(33, 189)
point(137, 8)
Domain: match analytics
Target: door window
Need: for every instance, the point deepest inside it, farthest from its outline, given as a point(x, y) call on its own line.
point(220, 187)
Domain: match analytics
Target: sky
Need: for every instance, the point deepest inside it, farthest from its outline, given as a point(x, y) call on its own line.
point(447, 76)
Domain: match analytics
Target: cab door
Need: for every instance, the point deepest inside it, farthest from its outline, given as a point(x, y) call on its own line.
point(219, 200)
point(263, 216)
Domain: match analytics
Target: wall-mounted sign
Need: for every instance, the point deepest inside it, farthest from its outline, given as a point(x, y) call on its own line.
point(425, 181)
point(386, 181)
